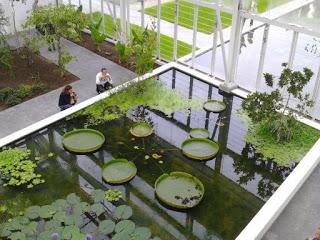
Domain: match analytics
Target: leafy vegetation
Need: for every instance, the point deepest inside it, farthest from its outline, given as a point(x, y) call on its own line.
point(113, 195)
point(96, 35)
point(166, 42)
point(259, 135)
point(5, 53)
point(65, 20)
point(16, 168)
point(13, 96)
point(278, 109)
point(64, 218)
point(149, 93)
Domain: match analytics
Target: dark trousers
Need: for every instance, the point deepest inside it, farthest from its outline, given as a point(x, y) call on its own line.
point(101, 88)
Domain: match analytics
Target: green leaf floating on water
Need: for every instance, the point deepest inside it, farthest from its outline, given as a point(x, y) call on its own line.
point(60, 204)
point(179, 189)
point(125, 226)
point(141, 233)
point(141, 129)
point(46, 211)
point(97, 195)
point(123, 212)
point(18, 236)
point(121, 236)
point(106, 227)
point(52, 225)
point(32, 212)
point(97, 208)
point(73, 199)
point(60, 216)
point(119, 171)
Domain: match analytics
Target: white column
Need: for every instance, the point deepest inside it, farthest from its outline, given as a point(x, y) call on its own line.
point(293, 48)
point(262, 55)
point(158, 28)
point(224, 57)
point(195, 29)
point(128, 21)
point(234, 48)
point(175, 33)
point(103, 17)
point(123, 21)
point(316, 91)
point(214, 45)
point(90, 9)
point(142, 15)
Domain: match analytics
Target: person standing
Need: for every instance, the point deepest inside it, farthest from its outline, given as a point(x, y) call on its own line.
point(316, 235)
point(103, 81)
point(67, 98)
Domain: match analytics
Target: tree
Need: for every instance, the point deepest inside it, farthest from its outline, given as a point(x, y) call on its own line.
point(5, 54)
point(278, 109)
point(56, 22)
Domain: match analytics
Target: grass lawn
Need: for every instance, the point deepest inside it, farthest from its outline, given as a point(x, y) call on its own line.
point(206, 15)
point(166, 43)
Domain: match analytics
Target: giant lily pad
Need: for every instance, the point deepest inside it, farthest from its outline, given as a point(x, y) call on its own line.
point(141, 129)
point(199, 133)
point(119, 171)
point(200, 148)
point(83, 140)
point(214, 106)
point(179, 190)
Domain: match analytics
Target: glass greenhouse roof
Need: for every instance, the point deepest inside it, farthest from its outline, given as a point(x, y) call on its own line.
point(307, 16)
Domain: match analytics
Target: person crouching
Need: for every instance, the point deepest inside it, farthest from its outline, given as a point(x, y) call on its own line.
point(103, 81)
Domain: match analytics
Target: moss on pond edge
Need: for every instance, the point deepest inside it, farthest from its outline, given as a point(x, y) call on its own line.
point(304, 137)
point(149, 93)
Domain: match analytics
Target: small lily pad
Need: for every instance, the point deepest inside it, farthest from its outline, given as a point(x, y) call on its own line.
point(121, 236)
point(106, 227)
point(142, 233)
point(141, 129)
point(123, 212)
point(126, 226)
point(199, 133)
point(97, 208)
point(32, 212)
point(179, 190)
point(97, 195)
point(119, 171)
point(46, 211)
point(83, 140)
point(214, 106)
point(156, 156)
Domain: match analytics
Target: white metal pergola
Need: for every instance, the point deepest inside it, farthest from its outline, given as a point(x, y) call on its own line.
point(227, 39)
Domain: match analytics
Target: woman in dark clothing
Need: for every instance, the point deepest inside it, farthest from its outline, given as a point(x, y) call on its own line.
point(67, 98)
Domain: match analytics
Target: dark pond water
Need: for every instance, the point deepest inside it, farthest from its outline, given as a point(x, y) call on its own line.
point(237, 181)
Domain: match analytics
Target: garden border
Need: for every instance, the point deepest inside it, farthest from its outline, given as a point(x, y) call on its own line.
point(262, 221)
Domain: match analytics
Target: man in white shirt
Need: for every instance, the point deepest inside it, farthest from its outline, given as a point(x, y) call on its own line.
point(103, 81)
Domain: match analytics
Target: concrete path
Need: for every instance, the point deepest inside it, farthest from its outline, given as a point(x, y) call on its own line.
point(85, 67)
point(301, 217)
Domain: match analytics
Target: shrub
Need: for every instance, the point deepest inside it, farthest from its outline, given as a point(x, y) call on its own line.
point(12, 100)
point(4, 93)
point(23, 91)
point(39, 87)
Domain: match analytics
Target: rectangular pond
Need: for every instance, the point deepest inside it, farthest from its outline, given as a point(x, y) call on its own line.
point(237, 181)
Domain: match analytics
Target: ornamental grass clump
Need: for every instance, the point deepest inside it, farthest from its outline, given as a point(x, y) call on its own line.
point(278, 109)
point(16, 168)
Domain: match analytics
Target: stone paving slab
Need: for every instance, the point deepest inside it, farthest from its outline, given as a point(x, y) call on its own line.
point(86, 66)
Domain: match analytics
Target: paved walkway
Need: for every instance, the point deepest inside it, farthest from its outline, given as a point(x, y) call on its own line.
point(85, 67)
point(301, 217)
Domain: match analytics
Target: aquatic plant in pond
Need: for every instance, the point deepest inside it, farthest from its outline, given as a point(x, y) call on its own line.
point(113, 195)
point(83, 140)
point(199, 133)
point(17, 169)
point(66, 218)
point(214, 106)
point(119, 171)
point(149, 93)
point(141, 129)
point(303, 138)
point(179, 190)
point(199, 148)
